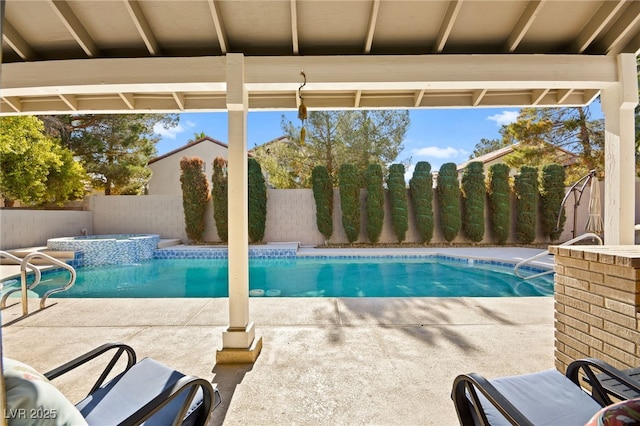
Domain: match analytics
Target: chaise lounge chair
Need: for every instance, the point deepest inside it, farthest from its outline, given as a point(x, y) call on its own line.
point(146, 392)
point(544, 398)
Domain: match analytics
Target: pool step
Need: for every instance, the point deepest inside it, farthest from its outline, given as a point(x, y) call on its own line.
point(22, 252)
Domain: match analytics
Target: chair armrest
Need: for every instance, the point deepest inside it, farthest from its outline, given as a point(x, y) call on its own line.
point(210, 400)
point(594, 371)
point(469, 407)
point(83, 359)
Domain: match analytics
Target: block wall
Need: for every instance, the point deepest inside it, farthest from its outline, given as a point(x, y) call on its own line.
point(597, 304)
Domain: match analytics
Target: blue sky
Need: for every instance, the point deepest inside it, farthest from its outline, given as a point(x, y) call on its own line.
point(435, 135)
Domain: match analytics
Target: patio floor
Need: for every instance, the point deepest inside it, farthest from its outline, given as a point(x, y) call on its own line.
point(324, 360)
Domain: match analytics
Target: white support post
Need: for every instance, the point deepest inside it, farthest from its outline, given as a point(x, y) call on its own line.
point(239, 344)
point(618, 103)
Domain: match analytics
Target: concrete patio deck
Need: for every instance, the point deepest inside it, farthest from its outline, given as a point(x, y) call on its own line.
point(325, 361)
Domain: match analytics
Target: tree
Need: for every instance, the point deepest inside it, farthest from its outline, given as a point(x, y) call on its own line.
point(375, 201)
point(499, 202)
point(448, 191)
point(334, 138)
point(350, 201)
point(398, 201)
point(543, 132)
point(551, 196)
point(473, 200)
point(195, 194)
point(219, 192)
point(113, 148)
point(323, 195)
point(486, 146)
point(284, 163)
point(421, 187)
point(33, 167)
point(257, 201)
point(526, 190)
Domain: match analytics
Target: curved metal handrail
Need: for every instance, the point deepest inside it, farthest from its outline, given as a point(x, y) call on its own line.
point(546, 252)
point(23, 285)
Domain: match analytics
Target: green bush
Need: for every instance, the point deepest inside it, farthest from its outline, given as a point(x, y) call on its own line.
point(448, 191)
point(421, 187)
point(499, 202)
point(195, 194)
point(257, 201)
point(219, 192)
point(350, 200)
point(323, 194)
point(551, 195)
point(375, 201)
point(526, 189)
point(398, 200)
point(474, 194)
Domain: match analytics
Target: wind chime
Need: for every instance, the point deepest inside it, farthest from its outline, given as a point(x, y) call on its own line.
point(302, 109)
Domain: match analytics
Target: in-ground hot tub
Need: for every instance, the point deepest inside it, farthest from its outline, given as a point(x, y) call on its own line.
point(108, 249)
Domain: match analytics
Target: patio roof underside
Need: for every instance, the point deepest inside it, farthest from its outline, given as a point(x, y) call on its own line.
point(79, 56)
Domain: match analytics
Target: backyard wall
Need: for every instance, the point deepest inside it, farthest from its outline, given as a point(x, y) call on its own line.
point(290, 218)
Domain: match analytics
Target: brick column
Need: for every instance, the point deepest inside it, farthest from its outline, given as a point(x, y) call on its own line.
point(597, 304)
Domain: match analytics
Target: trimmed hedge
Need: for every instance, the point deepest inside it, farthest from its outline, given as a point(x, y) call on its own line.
point(195, 194)
point(323, 194)
point(448, 191)
point(220, 192)
point(499, 202)
point(257, 201)
point(350, 201)
point(398, 200)
point(421, 187)
point(374, 201)
point(551, 195)
point(474, 194)
point(526, 190)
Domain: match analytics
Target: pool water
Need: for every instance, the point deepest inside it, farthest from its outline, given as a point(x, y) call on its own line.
point(302, 277)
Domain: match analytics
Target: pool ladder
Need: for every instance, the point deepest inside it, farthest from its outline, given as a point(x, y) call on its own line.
point(546, 252)
point(24, 264)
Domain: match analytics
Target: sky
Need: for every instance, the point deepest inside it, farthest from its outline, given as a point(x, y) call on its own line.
point(435, 135)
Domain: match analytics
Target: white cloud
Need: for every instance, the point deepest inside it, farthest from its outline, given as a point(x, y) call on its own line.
point(170, 133)
point(504, 118)
point(438, 152)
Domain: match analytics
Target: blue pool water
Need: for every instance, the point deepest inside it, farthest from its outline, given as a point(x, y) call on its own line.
point(303, 277)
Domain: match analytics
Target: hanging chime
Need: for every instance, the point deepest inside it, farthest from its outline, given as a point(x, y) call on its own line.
point(302, 109)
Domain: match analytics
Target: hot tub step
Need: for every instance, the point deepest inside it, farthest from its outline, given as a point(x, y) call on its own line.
point(22, 252)
point(169, 242)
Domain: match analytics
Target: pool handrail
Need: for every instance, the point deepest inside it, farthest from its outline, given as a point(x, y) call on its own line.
point(546, 252)
point(23, 286)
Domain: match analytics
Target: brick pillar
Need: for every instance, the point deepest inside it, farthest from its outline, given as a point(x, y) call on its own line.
point(597, 304)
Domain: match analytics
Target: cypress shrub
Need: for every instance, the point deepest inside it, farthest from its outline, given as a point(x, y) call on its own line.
point(551, 195)
point(421, 187)
point(219, 192)
point(323, 194)
point(526, 189)
point(350, 200)
point(474, 195)
point(257, 201)
point(374, 202)
point(398, 199)
point(195, 194)
point(499, 202)
point(448, 191)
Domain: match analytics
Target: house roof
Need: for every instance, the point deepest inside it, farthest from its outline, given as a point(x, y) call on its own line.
point(503, 152)
point(77, 56)
point(189, 145)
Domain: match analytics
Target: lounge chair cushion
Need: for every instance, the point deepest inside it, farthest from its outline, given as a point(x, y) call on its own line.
point(33, 399)
point(625, 413)
point(126, 393)
point(564, 402)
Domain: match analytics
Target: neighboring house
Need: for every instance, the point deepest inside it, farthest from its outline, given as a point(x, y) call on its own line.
point(564, 158)
point(165, 179)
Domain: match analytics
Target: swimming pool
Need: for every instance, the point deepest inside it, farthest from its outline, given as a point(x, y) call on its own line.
point(432, 276)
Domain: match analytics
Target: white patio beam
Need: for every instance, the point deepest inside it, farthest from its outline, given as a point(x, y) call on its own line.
point(522, 26)
point(219, 26)
point(19, 45)
point(143, 27)
point(447, 25)
point(75, 27)
point(618, 103)
point(277, 74)
point(239, 342)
